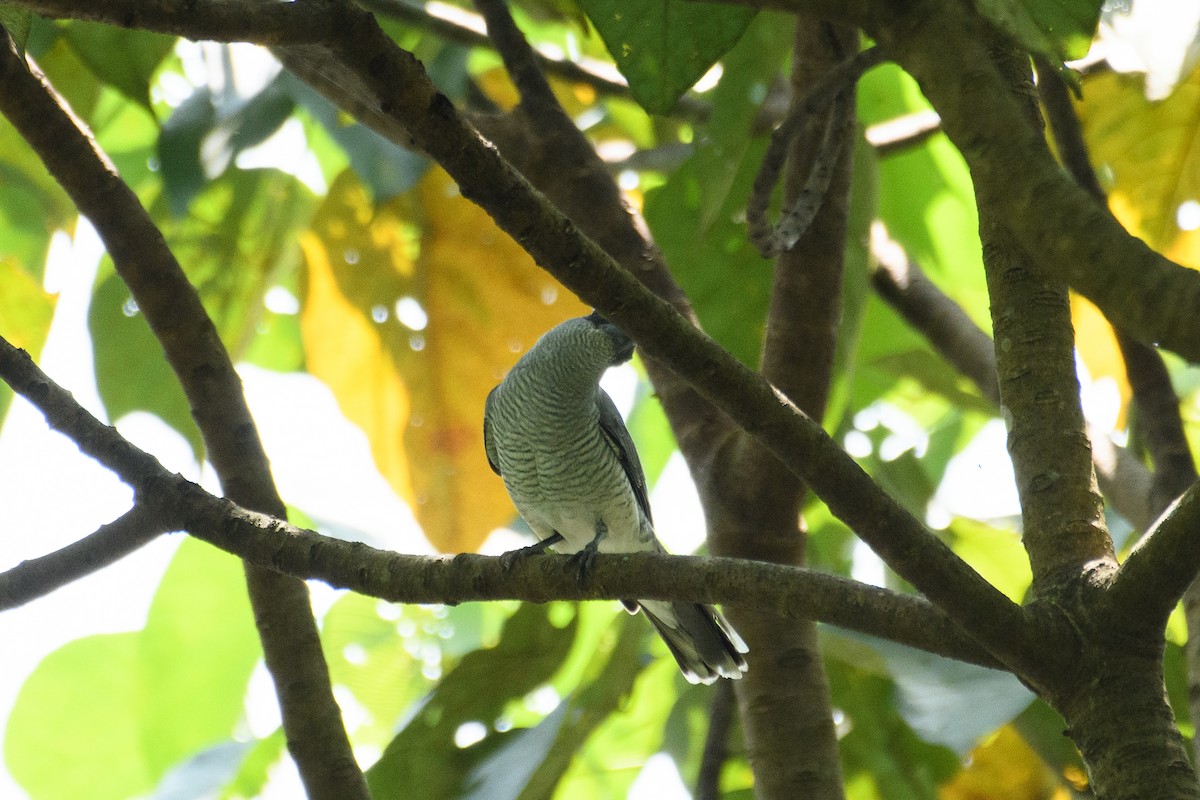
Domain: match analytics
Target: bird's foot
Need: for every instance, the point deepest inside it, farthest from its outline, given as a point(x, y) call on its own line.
point(585, 559)
point(509, 559)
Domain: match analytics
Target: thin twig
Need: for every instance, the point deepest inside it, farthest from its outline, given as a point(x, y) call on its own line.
point(829, 93)
point(110, 543)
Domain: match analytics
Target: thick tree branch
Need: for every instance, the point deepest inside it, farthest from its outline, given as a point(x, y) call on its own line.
point(1157, 403)
point(942, 44)
point(1061, 509)
point(110, 543)
point(273, 544)
point(316, 737)
point(901, 282)
point(1158, 414)
point(266, 23)
point(1160, 568)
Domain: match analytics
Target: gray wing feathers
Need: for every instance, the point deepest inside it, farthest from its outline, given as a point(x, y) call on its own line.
point(489, 446)
point(703, 643)
point(618, 436)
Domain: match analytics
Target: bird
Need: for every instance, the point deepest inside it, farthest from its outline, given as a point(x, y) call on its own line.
point(571, 469)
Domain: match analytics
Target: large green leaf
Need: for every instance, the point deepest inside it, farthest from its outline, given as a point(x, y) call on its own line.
point(662, 47)
point(108, 716)
point(1057, 28)
point(696, 216)
point(124, 59)
point(131, 372)
point(423, 759)
point(16, 21)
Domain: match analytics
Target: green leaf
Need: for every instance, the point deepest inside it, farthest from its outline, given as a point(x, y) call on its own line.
point(880, 750)
point(124, 59)
point(663, 47)
point(129, 359)
point(195, 655)
point(74, 729)
point(696, 216)
point(1057, 28)
point(530, 763)
point(423, 758)
point(108, 716)
point(16, 21)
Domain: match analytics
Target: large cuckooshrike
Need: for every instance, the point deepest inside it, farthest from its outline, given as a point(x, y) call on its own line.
point(571, 469)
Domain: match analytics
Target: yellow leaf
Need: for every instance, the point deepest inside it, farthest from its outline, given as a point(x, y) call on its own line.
point(25, 308)
point(356, 264)
point(487, 302)
point(1004, 768)
point(1097, 345)
point(412, 350)
point(1151, 153)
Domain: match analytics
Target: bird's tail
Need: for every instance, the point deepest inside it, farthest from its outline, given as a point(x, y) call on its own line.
point(703, 643)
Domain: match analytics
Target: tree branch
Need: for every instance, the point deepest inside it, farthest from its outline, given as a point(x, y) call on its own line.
point(754, 508)
point(474, 36)
point(901, 282)
point(267, 23)
point(436, 128)
point(110, 543)
point(312, 721)
point(1061, 509)
point(1158, 405)
point(941, 44)
point(273, 544)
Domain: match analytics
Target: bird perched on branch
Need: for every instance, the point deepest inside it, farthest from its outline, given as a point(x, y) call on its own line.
point(571, 469)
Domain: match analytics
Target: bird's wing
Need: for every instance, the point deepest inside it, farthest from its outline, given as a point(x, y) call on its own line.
point(489, 445)
point(622, 443)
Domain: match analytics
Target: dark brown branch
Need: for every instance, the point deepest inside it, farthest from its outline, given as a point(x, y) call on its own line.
point(716, 742)
point(291, 646)
point(1157, 406)
point(754, 508)
point(1160, 568)
point(110, 543)
point(267, 23)
point(273, 544)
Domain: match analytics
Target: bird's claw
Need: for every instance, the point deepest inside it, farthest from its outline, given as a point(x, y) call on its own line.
point(509, 559)
point(585, 561)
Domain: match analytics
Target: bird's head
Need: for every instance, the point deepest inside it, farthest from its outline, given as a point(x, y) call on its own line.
point(590, 342)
